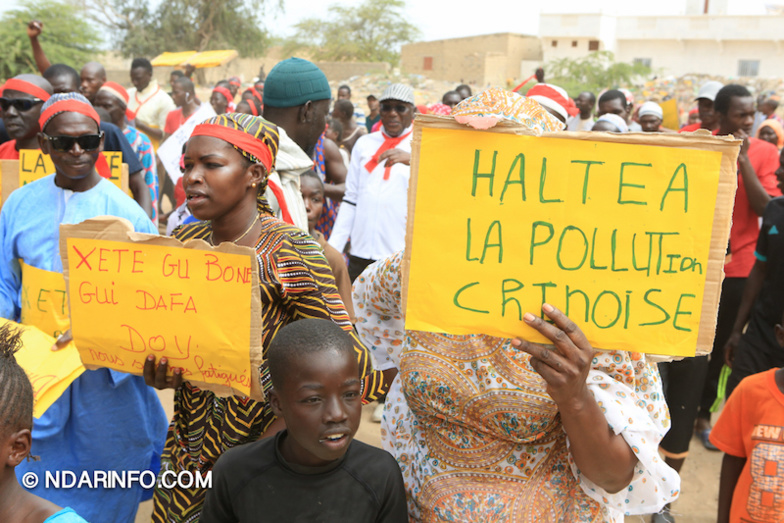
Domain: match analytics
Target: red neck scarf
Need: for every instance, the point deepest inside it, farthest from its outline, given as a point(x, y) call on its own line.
point(389, 143)
point(284, 208)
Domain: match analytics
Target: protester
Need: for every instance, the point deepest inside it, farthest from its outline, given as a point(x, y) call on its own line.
point(148, 103)
point(344, 93)
point(16, 425)
point(451, 99)
point(296, 99)
point(771, 131)
point(313, 470)
point(173, 77)
point(651, 117)
point(102, 410)
point(21, 101)
point(114, 99)
point(184, 97)
point(583, 121)
point(374, 115)
point(748, 433)
point(374, 209)
point(221, 98)
point(65, 79)
point(685, 379)
point(554, 99)
point(227, 162)
point(234, 86)
point(614, 102)
point(313, 194)
point(693, 118)
point(252, 102)
point(93, 76)
point(709, 119)
point(344, 113)
point(766, 110)
point(610, 123)
point(331, 163)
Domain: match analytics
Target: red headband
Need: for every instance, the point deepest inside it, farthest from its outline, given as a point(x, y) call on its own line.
point(235, 82)
point(23, 86)
point(257, 94)
point(225, 92)
point(241, 139)
point(117, 90)
point(253, 110)
point(72, 106)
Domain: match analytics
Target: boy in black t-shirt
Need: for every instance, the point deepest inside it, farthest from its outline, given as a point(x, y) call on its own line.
point(313, 471)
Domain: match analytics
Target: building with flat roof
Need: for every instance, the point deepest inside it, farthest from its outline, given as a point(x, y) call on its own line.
point(494, 59)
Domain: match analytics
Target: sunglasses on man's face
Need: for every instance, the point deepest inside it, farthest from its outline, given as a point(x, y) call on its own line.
point(63, 144)
point(398, 108)
point(20, 104)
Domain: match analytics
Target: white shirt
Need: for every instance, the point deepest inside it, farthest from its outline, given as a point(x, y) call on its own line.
point(289, 164)
point(152, 104)
point(576, 123)
point(373, 212)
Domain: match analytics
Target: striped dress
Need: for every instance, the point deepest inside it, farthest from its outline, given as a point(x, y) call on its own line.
point(296, 283)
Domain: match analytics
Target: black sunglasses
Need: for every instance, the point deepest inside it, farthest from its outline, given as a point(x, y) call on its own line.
point(398, 108)
point(20, 104)
point(63, 144)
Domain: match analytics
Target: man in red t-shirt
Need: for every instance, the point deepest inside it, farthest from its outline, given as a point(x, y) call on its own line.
point(708, 118)
point(21, 102)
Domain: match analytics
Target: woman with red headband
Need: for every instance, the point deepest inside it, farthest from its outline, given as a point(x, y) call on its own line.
point(105, 420)
point(227, 161)
point(221, 99)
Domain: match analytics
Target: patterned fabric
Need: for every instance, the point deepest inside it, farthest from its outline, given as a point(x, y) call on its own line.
point(330, 210)
point(478, 438)
point(296, 283)
point(484, 110)
point(142, 146)
point(440, 109)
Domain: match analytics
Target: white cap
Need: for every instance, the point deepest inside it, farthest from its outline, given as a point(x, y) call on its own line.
point(651, 108)
point(404, 93)
point(709, 90)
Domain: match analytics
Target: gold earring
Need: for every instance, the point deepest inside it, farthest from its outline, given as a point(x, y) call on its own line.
point(253, 184)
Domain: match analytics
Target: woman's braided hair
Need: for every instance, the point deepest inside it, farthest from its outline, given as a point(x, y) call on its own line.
point(16, 392)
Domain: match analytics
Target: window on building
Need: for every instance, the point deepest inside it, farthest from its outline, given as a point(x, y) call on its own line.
point(428, 63)
point(748, 67)
point(593, 45)
point(574, 43)
point(554, 43)
point(646, 62)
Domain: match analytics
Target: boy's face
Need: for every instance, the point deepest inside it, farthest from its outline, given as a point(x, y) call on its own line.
point(320, 402)
point(313, 195)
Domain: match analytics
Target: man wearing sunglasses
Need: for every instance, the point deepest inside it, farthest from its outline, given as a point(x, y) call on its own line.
point(374, 207)
point(103, 413)
point(21, 103)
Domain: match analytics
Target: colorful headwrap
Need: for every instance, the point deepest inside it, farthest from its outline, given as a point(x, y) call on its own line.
point(66, 102)
point(555, 98)
point(616, 120)
point(255, 93)
point(777, 128)
point(486, 109)
point(23, 86)
point(225, 92)
point(442, 109)
point(253, 137)
point(119, 92)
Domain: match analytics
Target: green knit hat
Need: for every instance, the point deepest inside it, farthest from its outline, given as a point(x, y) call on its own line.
point(293, 82)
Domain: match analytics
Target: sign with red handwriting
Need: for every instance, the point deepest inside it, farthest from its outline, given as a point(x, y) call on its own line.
point(132, 295)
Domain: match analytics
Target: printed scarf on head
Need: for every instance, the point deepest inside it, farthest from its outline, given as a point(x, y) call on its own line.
point(255, 139)
point(486, 109)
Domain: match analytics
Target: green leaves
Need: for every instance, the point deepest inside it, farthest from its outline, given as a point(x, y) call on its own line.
point(595, 72)
point(370, 32)
point(66, 38)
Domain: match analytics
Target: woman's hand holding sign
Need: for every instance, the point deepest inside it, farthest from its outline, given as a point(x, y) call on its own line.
point(156, 376)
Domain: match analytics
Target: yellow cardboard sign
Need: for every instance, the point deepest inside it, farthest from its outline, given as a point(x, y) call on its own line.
point(617, 235)
point(44, 300)
point(670, 118)
point(147, 295)
point(50, 372)
point(33, 165)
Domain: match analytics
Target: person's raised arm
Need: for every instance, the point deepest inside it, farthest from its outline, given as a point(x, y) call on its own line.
point(751, 290)
point(755, 192)
point(34, 29)
point(601, 455)
point(335, 172)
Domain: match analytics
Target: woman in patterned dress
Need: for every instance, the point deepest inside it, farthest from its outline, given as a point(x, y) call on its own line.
point(227, 161)
point(489, 429)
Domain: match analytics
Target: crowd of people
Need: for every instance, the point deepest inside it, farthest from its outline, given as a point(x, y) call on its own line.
point(319, 189)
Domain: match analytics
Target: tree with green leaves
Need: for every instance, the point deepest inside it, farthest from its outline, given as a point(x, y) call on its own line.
point(370, 32)
point(183, 25)
point(594, 72)
point(68, 38)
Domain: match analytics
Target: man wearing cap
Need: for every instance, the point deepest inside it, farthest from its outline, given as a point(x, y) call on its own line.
point(708, 118)
point(583, 121)
point(554, 100)
point(650, 116)
point(374, 116)
point(147, 102)
point(105, 420)
point(21, 101)
point(374, 208)
point(296, 99)
point(113, 98)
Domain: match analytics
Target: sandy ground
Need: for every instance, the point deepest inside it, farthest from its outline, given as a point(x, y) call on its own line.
point(700, 475)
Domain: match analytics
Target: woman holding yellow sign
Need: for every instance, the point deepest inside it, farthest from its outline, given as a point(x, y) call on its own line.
point(227, 161)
